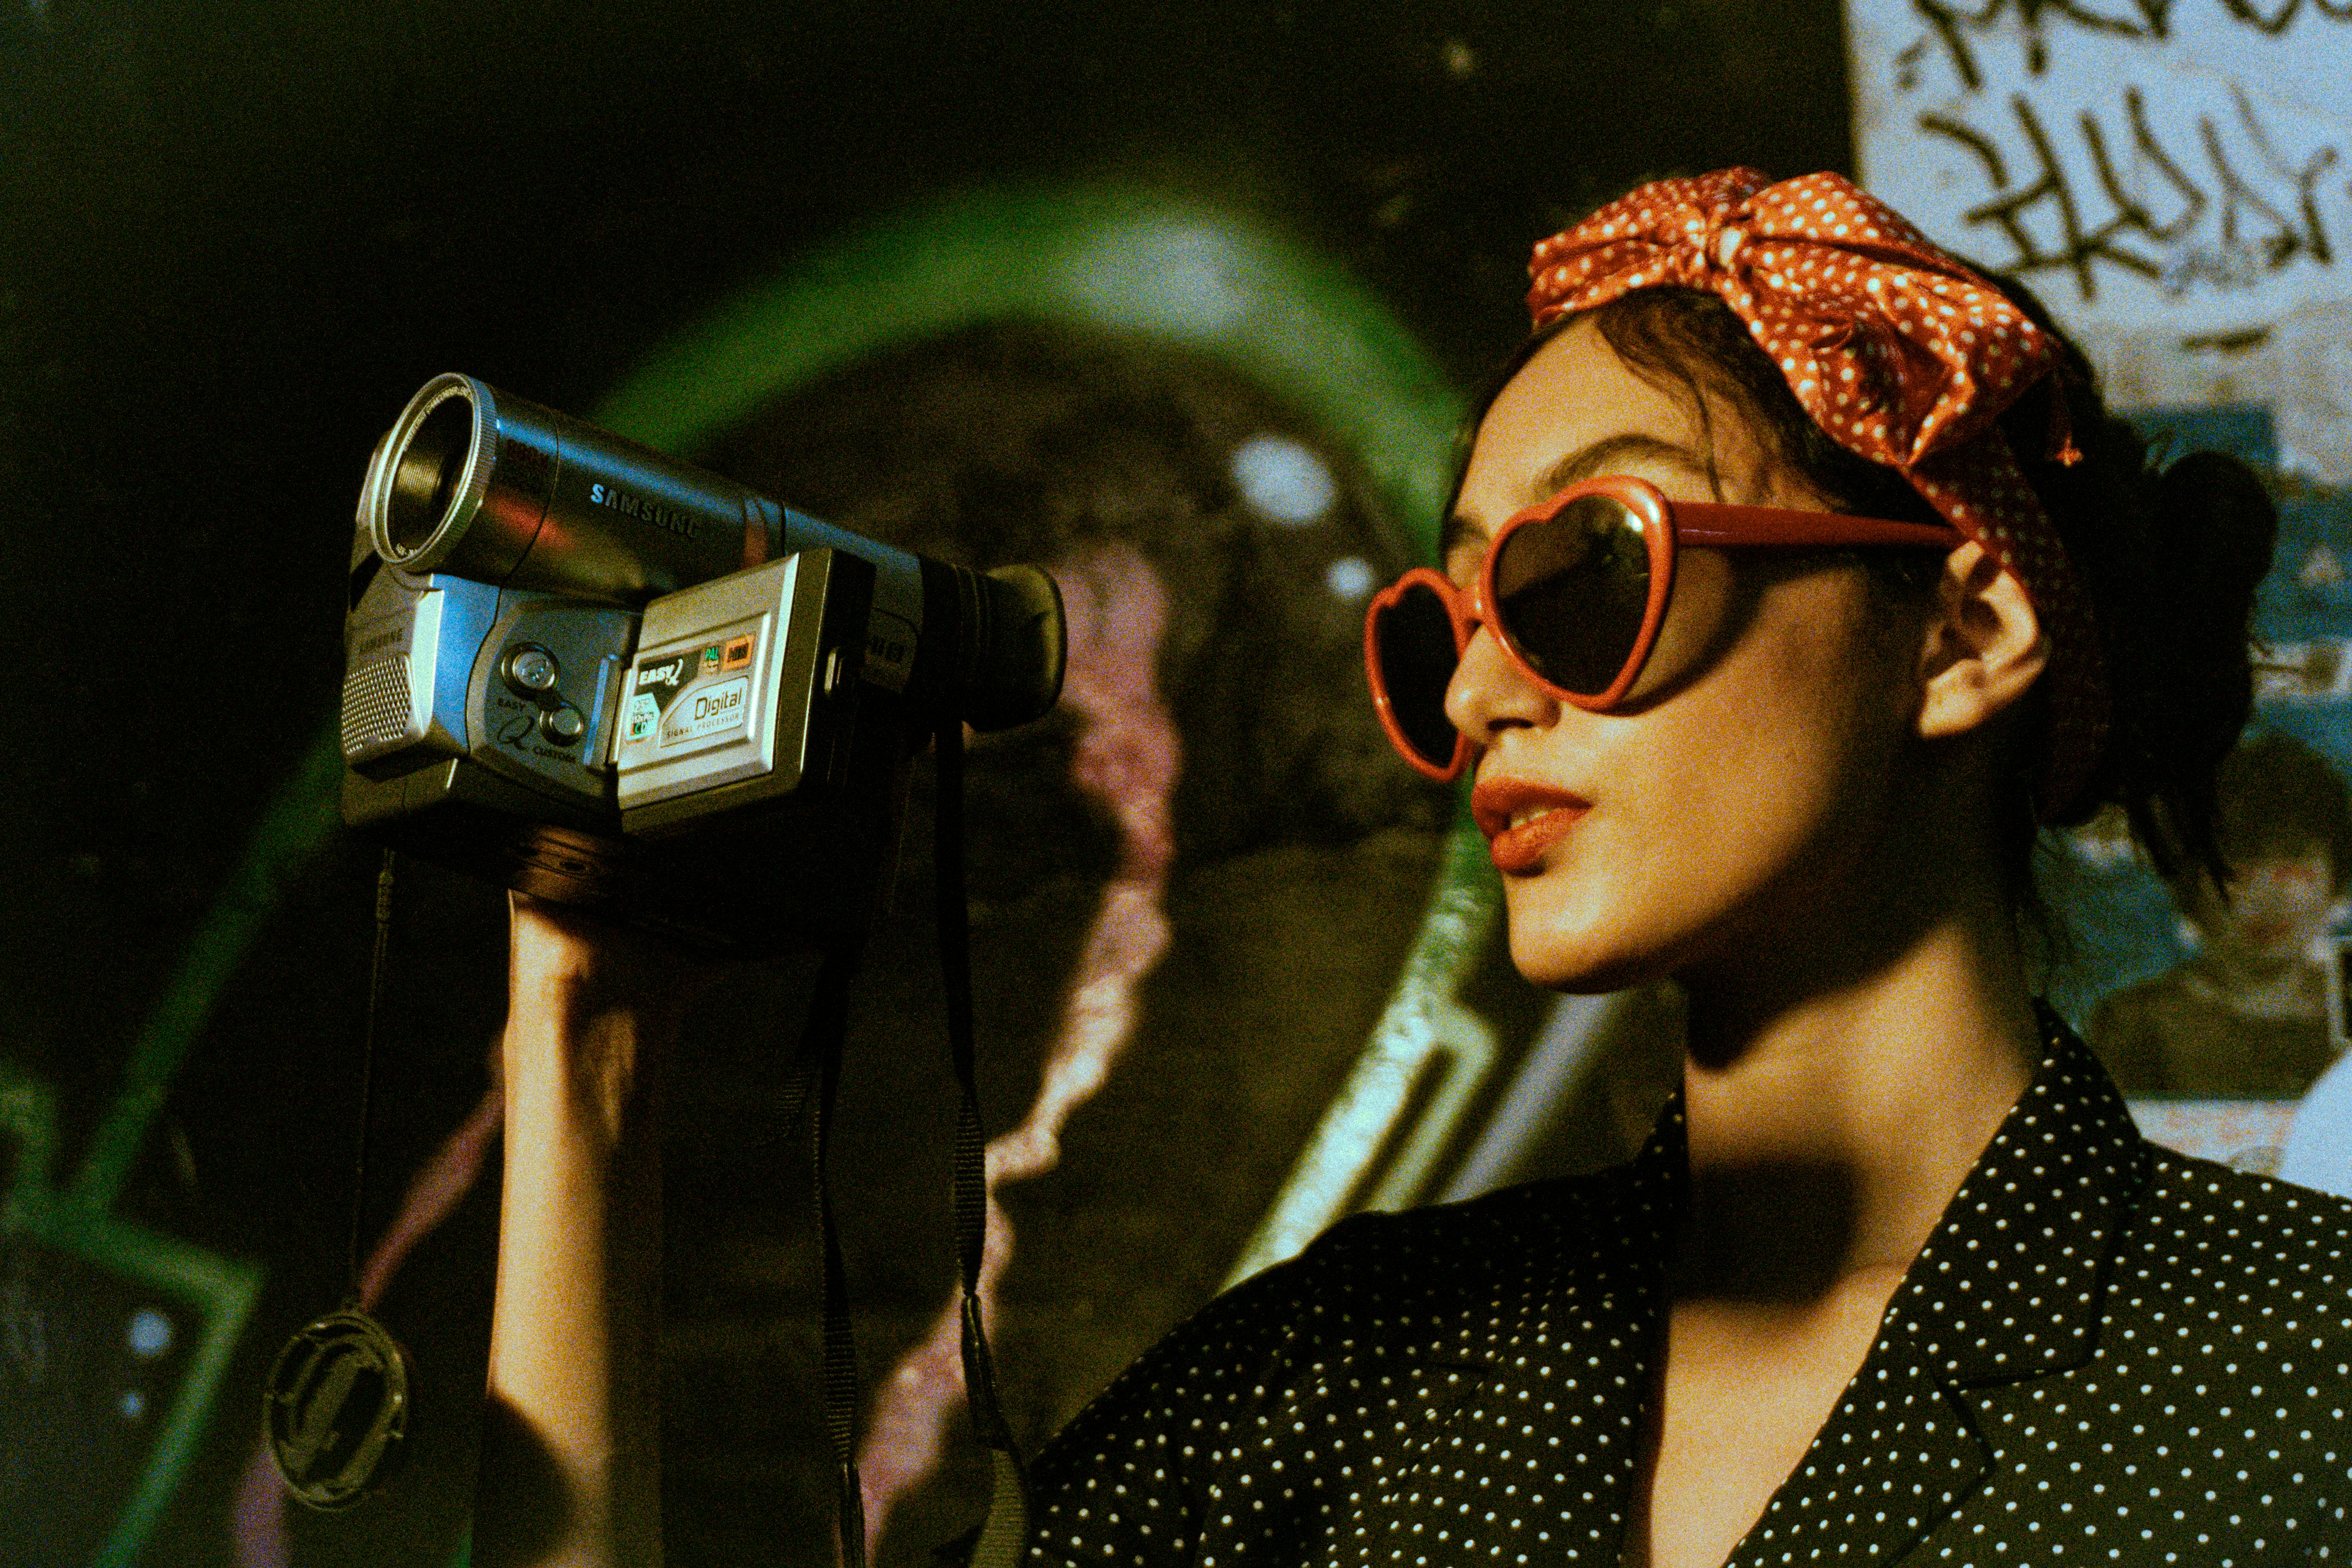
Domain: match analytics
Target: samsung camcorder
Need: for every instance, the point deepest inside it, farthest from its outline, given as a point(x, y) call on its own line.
point(599, 675)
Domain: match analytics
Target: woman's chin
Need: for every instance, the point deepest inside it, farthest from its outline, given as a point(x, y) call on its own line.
point(1579, 961)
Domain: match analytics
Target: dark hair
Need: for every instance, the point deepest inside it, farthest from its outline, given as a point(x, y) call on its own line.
point(2278, 798)
point(2169, 557)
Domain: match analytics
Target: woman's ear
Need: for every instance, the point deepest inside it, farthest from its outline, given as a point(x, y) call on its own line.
point(1984, 647)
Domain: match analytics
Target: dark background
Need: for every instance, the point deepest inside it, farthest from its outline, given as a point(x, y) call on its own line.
point(234, 238)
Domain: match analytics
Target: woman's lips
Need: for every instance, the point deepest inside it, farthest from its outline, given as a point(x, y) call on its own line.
point(1523, 821)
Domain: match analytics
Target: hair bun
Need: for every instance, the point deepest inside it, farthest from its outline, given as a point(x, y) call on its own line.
point(2209, 531)
point(2213, 528)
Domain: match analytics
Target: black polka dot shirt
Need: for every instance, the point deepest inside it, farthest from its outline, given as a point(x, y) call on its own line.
point(2106, 1353)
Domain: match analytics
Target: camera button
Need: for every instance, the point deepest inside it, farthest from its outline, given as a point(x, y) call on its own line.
point(531, 670)
point(563, 726)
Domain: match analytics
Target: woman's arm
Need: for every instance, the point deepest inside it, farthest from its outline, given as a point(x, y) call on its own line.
point(570, 1469)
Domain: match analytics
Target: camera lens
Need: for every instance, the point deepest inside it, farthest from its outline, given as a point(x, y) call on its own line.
point(427, 476)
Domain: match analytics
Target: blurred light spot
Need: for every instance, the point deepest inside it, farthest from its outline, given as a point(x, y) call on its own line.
point(1282, 480)
point(1186, 278)
point(1349, 578)
point(133, 1405)
point(1461, 60)
point(151, 1332)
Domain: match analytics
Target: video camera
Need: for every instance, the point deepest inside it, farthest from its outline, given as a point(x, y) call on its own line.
point(596, 674)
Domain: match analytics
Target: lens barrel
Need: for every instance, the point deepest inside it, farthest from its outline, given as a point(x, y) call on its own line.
point(480, 484)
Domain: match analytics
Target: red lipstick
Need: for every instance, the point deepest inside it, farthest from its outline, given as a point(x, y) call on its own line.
point(1520, 850)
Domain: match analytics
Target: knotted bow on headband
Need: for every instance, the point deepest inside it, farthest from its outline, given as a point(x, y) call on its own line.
point(1901, 355)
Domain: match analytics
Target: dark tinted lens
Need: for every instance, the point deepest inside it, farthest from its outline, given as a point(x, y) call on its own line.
point(1414, 641)
point(1572, 592)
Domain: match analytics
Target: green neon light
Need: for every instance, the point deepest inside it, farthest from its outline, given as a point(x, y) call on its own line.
point(1115, 259)
point(29, 1114)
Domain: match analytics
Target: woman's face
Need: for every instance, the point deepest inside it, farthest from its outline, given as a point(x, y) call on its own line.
point(1738, 797)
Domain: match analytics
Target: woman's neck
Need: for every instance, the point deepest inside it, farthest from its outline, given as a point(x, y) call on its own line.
point(1831, 1119)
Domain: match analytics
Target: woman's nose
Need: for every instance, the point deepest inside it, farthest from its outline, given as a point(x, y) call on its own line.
point(1489, 694)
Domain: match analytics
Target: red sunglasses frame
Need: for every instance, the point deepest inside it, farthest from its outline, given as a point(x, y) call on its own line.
point(1665, 524)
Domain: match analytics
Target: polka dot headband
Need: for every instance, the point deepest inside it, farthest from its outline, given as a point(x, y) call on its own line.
point(1901, 355)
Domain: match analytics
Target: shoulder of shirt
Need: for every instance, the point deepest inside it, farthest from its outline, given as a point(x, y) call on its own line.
point(1418, 1260)
point(2198, 1188)
point(1560, 1202)
point(2270, 1239)
point(1374, 1285)
point(1456, 1250)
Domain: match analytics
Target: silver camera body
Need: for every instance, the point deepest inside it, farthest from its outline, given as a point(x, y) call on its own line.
point(712, 699)
point(605, 678)
point(742, 691)
point(435, 669)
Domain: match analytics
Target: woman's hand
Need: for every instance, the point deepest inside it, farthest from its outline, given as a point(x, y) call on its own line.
point(570, 1469)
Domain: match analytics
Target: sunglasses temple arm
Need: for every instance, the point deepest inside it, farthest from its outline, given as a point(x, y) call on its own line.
point(1731, 527)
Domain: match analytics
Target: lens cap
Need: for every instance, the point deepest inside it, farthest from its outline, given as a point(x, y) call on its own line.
point(336, 1409)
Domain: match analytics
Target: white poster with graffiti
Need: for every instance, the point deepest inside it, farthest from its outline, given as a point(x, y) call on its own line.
point(2173, 176)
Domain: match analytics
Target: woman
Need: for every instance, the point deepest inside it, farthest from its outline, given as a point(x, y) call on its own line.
point(1895, 1277)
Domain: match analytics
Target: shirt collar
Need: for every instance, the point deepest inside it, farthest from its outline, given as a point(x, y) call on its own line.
point(2010, 1283)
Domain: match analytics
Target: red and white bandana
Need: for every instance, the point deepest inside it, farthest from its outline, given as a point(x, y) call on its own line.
point(1901, 353)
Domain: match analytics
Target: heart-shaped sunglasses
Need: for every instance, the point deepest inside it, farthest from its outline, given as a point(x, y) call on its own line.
point(1574, 589)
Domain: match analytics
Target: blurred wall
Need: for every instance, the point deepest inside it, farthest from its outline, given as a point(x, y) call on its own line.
point(233, 238)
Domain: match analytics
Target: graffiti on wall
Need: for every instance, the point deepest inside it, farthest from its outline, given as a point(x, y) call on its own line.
point(2152, 143)
point(2171, 176)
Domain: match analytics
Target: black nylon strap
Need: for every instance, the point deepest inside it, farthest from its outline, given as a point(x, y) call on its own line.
point(820, 1055)
point(1008, 1515)
point(377, 964)
point(817, 1073)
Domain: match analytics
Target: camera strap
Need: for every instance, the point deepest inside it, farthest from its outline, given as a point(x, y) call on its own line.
point(1004, 1534)
point(819, 1070)
point(378, 961)
point(335, 1405)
